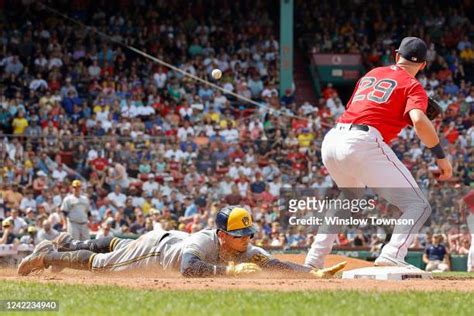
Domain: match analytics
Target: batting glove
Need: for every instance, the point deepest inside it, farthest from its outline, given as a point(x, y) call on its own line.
point(328, 272)
point(242, 269)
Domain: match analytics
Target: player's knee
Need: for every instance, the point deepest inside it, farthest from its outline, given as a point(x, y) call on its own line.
point(423, 207)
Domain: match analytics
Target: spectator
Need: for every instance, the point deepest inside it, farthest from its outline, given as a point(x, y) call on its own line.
point(8, 237)
point(436, 257)
point(138, 227)
point(47, 232)
point(117, 198)
point(18, 223)
point(20, 123)
point(106, 229)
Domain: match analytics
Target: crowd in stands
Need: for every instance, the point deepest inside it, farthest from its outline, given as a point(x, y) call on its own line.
point(156, 149)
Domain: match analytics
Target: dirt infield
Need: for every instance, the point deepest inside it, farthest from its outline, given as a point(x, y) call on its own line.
point(157, 280)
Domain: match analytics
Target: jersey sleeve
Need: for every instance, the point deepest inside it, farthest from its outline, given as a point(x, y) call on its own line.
point(200, 245)
point(258, 255)
point(416, 99)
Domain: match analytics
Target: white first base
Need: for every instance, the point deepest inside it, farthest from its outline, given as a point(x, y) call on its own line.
point(386, 273)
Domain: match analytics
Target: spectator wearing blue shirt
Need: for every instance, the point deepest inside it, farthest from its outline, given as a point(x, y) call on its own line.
point(184, 145)
point(288, 98)
point(451, 88)
point(436, 257)
point(205, 93)
point(190, 208)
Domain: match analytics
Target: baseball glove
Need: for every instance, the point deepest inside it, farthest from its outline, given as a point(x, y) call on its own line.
point(433, 109)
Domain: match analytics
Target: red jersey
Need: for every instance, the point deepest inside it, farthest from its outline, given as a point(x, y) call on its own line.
point(383, 98)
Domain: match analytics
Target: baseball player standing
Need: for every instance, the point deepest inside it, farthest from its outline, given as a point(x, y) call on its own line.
point(356, 154)
point(468, 200)
point(76, 208)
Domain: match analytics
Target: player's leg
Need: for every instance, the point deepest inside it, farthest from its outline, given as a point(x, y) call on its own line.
point(133, 253)
point(110, 258)
point(79, 260)
point(390, 179)
point(73, 230)
point(470, 257)
point(323, 242)
point(65, 242)
point(140, 253)
point(85, 233)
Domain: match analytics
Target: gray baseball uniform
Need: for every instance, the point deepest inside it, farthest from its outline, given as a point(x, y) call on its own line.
point(167, 248)
point(76, 209)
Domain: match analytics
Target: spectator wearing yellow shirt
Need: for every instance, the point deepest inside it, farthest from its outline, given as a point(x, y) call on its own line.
point(147, 205)
point(467, 55)
point(305, 139)
point(19, 123)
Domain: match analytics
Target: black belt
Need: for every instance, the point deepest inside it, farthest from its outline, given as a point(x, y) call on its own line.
point(359, 127)
point(163, 237)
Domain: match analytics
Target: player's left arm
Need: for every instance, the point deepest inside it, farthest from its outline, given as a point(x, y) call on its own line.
point(415, 112)
point(264, 260)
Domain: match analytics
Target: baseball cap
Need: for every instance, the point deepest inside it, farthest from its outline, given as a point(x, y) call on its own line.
point(235, 221)
point(413, 49)
point(154, 211)
point(6, 223)
point(76, 183)
point(109, 221)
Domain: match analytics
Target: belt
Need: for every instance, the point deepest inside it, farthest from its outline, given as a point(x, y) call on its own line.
point(164, 237)
point(359, 127)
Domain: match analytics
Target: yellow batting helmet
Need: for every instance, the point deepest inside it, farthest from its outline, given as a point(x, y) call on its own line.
point(235, 221)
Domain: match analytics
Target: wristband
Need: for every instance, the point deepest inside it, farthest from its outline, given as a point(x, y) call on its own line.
point(438, 151)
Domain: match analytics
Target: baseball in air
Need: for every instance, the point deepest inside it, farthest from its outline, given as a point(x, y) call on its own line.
point(216, 74)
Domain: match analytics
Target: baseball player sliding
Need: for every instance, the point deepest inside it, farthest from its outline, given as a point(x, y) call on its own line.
point(206, 253)
point(356, 154)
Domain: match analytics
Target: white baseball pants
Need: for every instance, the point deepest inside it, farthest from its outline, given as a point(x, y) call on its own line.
point(358, 159)
point(470, 257)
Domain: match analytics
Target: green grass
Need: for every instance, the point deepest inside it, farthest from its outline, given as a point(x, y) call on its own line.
point(107, 300)
point(453, 275)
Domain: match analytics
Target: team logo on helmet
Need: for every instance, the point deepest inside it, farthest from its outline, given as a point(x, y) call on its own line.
point(246, 221)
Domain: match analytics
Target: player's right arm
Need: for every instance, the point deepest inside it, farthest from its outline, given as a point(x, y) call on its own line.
point(193, 266)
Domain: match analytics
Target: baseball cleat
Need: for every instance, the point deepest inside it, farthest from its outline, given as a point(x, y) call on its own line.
point(35, 261)
point(63, 242)
point(386, 261)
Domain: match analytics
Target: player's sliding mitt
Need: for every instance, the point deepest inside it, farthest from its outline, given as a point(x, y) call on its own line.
point(433, 109)
point(328, 272)
point(242, 269)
